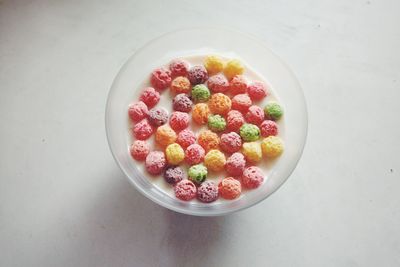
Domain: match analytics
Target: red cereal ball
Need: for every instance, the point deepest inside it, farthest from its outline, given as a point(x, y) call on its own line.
point(179, 120)
point(186, 138)
point(158, 116)
point(268, 128)
point(150, 97)
point(257, 90)
point(139, 150)
point(235, 164)
point(179, 67)
point(234, 120)
point(160, 78)
point(252, 177)
point(185, 190)
point(182, 102)
point(218, 83)
point(207, 192)
point(142, 130)
point(241, 102)
point(155, 162)
point(231, 142)
point(180, 85)
point(138, 111)
point(229, 188)
point(238, 85)
point(255, 115)
point(194, 154)
point(197, 75)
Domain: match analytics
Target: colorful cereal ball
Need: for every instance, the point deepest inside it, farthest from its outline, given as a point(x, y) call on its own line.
point(220, 104)
point(160, 78)
point(197, 173)
point(235, 164)
point(142, 130)
point(179, 120)
point(158, 116)
point(197, 75)
point(272, 146)
point(216, 123)
point(179, 67)
point(194, 154)
point(238, 85)
point(218, 83)
point(150, 97)
point(268, 128)
point(174, 174)
point(255, 115)
point(229, 188)
point(165, 135)
point(207, 192)
point(252, 177)
point(215, 160)
point(234, 120)
point(138, 111)
point(213, 64)
point(182, 102)
point(185, 190)
point(155, 162)
point(208, 140)
point(200, 93)
point(273, 111)
point(231, 142)
point(139, 150)
point(249, 132)
point(174, 154)
point(241, 102)
point(252, 151)
point(180, 85)
point(186, 138)
point(200, 113)
point(232, 68)
point(257, 90)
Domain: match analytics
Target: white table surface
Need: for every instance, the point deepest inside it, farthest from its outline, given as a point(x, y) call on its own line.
point(64, 202)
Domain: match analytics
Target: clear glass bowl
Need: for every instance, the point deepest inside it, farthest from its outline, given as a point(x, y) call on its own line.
point(206, 41)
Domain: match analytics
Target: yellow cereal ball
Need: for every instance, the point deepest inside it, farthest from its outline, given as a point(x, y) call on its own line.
point(272, 146)
point(215, 160)
point(213, 64)
point(232, 68)
point(252, 151)
point(174, 154)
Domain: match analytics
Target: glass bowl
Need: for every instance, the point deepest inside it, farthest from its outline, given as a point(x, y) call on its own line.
point(254, 53)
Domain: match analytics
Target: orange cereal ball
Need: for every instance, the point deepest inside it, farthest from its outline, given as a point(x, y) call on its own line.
point(208, 140)
point(272, 146)
point(232, 68)
point(174, 154)
point(180, 85)
point(229, 188)
point(213, 64)
point(220, 104)
point(200, 113)
point(215, 160)
point(165, 135)
point(252, 151)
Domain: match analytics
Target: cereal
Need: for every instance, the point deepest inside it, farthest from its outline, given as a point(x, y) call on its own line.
point(155, 162)
point(257, 90)
point(208, 140)
point(220, 104)
point(235, 164)
point(186, 138)
point(158, 116)
point(252, 151)
point(179, 67)
point(272, 146)
point(197, 75)
point(197, 173)
point(174, 174)
point(179, 120)
point(174, 154)
point(238, 85)
point(165, 135)
point(255, 115)
point(200, 93)
point(229, 188)
point(268, 128)
point(160, 78)
point(150, 97)
point(232, 68)
point(234, 120)
point(200, 113)
point(231, 142)
point(207, 192)
point(139, 150)
point(249, 132)
point(215, 160)
point(138, 111)
point(194, 154)
point(213, 64)
point(216, 123)
point(241, 102)
point(273, 111)
point(252, 177)
point(142, 130)
point(185, 190)
point(218, 83)
point(182, 102)
point(180, 85)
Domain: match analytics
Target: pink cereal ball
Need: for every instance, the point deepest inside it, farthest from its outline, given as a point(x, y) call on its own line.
point(235, 164)
point(194, 154)
point(182, 102)
point(252, 177)
point(257, 90)
point(142, 130)
point(197, 75)
point(268, 128)
point(160, 78)
point(185, 190)
point(255, 115)
point(179, 67)
point(155, 162)
point(207, 192)
point(138, 111)
point(139, 150)
point(186, 138)
point(179, 120)
point(230, 142)
point(234, 120)
point(241, 102)
point(238, 85)
point(218, 83)
point(150, 97)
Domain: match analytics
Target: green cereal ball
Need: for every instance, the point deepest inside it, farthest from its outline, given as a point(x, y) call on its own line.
point(197, 173)
point(200, 93)
point(273, 110)
point(249, 132)
point(216, 123)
